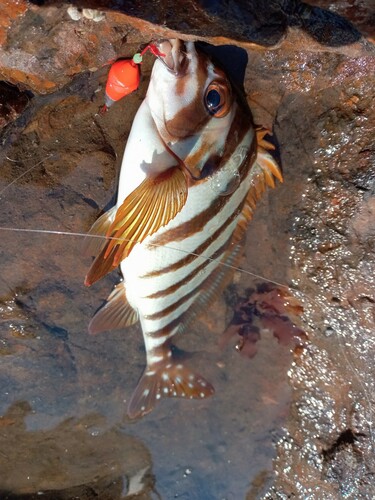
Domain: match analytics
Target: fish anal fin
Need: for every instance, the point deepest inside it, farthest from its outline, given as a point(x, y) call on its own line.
point(214, 285)
point(116, 313)
point(168, 379)
point(150, 206)
point(95, 239)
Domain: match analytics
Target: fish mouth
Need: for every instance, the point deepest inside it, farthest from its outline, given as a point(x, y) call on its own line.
point(173, 55)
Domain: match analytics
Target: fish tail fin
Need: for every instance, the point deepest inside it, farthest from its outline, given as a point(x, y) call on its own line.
point(168, 379)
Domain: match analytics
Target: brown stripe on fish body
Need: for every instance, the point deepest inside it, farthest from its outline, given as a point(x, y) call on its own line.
point(171, 308)
point(201, 248)
point(173, 288)
point(195, 225)
point(198, 251)
point(166, 331)
point(170, 328)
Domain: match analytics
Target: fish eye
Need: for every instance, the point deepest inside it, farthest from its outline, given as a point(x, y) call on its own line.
point(217, 99)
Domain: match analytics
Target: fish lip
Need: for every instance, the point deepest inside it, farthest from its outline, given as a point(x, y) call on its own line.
point(172, 55)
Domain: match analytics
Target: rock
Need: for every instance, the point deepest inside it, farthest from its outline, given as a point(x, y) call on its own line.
point(9, 12)
point(67, 461)
point(44, 46)
point(310, 78)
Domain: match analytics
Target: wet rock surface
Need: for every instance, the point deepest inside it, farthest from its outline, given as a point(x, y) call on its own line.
point(315, 233)
point(75, 459)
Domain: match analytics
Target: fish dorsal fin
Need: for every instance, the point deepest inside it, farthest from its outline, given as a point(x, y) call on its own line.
point(169, 379)
point(95, 240)
point(155, 202)
point(265, 169)
point(261, 141)
point(116, 312)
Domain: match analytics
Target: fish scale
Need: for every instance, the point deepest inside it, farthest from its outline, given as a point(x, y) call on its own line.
point(191, 174)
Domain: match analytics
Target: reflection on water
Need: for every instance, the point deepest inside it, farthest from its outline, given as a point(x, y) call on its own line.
point(64, 393)
point(78, 458)
point(72, 435)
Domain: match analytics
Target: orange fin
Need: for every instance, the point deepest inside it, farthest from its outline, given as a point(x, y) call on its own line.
point(116, 312)
point(99, 268)
point(170, 379)
point(261, 133)
point(95, 240)
point(149, 207)
point(267, 163)
point(152, 205)
point(265, 169)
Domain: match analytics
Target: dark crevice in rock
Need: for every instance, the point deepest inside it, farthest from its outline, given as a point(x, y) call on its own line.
point(347, 439)
point(247, 20)
point(12, 102)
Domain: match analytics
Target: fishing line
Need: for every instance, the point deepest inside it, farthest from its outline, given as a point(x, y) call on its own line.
point(342, 347)
point(86, 235)
point(23, 173)
point(229, 266)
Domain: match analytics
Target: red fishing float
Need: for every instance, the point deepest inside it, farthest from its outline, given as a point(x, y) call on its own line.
point(123, 79)
point(124, 76)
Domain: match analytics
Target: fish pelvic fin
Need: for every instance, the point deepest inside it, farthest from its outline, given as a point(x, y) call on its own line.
point(116, 313)
point(155, 202)
point(167, 379)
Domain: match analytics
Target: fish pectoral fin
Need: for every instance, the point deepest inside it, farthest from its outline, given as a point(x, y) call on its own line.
point(149, 207)
point(116, 313)
point(95, 239)
point(169, 379)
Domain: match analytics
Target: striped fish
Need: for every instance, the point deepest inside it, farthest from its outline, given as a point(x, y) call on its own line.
point(193, 169)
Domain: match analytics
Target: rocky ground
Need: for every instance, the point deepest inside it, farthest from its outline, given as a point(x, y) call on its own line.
point(310, 78)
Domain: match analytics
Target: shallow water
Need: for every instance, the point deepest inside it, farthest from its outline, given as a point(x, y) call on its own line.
point(64, 393)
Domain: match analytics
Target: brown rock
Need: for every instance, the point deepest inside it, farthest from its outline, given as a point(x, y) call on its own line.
point(310, 78)
point(9, 12)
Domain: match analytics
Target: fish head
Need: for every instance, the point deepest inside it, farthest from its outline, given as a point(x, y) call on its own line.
point(194, 106)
